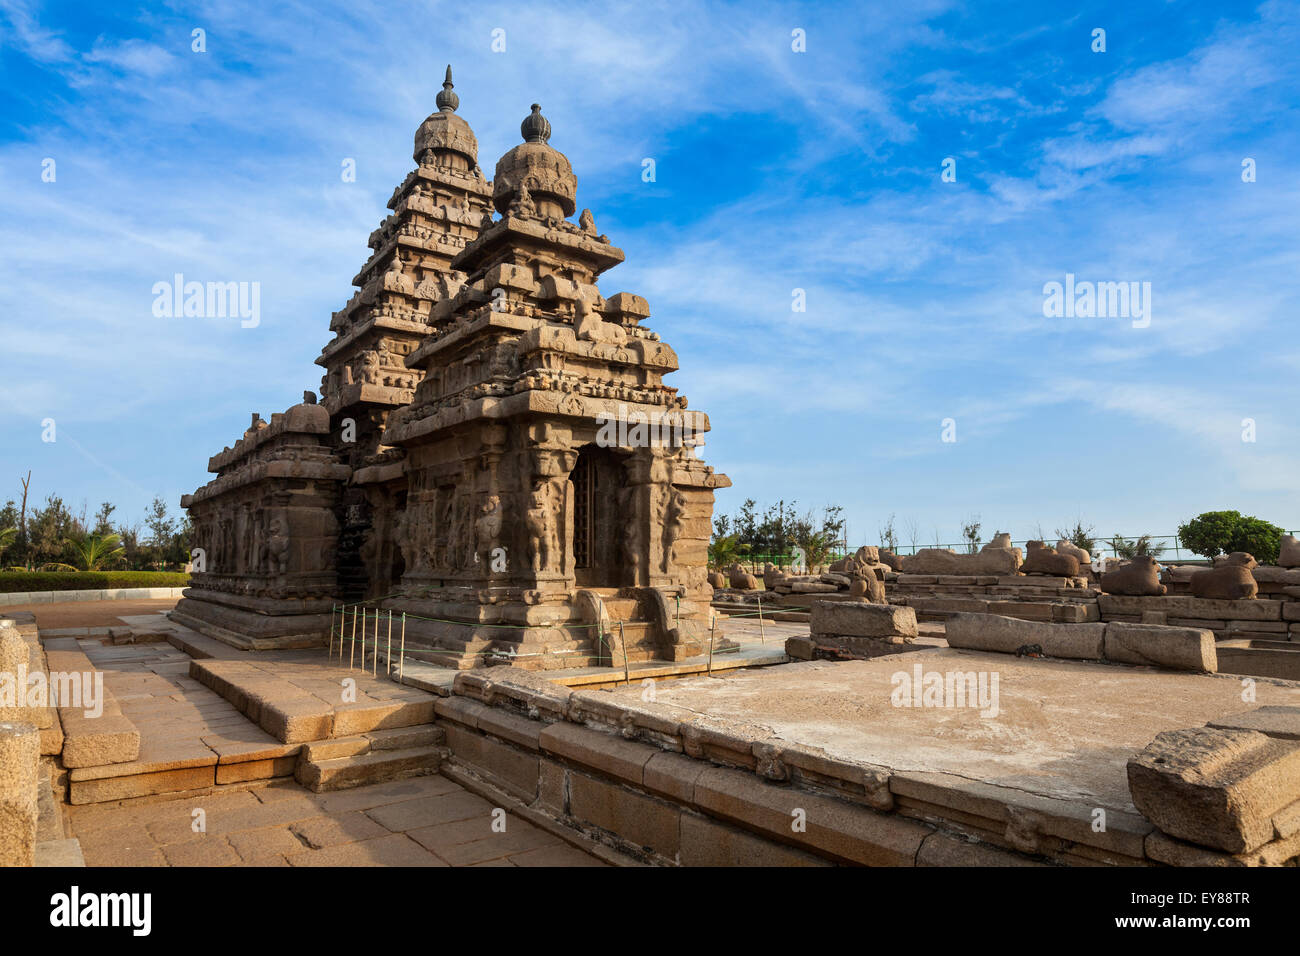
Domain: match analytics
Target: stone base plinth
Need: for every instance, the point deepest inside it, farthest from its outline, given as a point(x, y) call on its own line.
point(252, 630)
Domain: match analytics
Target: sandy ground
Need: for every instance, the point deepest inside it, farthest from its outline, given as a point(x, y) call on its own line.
point(89, 613)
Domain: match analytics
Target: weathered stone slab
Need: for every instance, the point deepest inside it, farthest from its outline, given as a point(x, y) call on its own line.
point(1178, 648)
point(841, 830)
point(938, 561)
point(905, 580)
point(1268, 574)
point(948, 605)
point(95, 741)
point(1256, 627)
point(990, 632)
point(1273, 721)
point(1165, 849)
point(1216, 788)
point(256, 770)
point(140, 785)
point(940, 849)
point(345, 772)
point(812, 587)
point(1178, 605)
point(1028, 821)
point(853, 619)
point(705, 842)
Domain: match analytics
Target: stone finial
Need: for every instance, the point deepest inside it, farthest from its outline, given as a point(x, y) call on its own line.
point(447, 100)
point(535, 127)
point(309, 397)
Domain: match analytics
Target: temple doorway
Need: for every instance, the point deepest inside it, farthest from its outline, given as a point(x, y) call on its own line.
point(599, 496)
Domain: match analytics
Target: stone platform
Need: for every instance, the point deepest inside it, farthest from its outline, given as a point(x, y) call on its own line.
point(712, 770)
point(189, 737)
point(251, 628)
point(313, 698)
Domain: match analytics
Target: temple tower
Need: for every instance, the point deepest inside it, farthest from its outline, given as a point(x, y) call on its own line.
point(553, 487)
point(436, 211)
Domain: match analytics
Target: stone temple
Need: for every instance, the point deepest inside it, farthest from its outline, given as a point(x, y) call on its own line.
point(495, 453)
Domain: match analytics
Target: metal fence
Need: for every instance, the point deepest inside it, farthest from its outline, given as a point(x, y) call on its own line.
point(1164, 547)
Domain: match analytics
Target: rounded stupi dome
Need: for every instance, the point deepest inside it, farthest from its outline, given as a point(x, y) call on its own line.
point(444, 139)
point(539, 167)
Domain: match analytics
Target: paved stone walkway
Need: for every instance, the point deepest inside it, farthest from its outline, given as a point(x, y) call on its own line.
point(62, 614)
point(424, 821)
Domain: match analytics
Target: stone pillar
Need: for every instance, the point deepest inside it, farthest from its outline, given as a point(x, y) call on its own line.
point(20, 749)
point(13, 662)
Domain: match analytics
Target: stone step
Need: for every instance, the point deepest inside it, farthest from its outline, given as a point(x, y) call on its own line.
point(267, 695)
point(200, 646)
point(340, 773)
point(399, 738)
point(621, 609)
point(96, 736)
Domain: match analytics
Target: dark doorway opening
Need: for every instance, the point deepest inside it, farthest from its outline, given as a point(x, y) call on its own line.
point(600, 501)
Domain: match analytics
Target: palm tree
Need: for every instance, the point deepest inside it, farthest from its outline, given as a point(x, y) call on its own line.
point(94, 550)
point(724, 551)
point(1141, 547)
point(7, 536)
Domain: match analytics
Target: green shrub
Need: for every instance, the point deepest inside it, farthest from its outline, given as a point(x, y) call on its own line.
point(11, 581)
point(1260, 538)
point(1222, 532)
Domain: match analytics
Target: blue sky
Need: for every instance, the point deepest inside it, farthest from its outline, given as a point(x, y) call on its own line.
point(775, 170)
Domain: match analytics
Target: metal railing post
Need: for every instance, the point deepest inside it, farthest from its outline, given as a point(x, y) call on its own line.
point(627, 678)
point(352, 648)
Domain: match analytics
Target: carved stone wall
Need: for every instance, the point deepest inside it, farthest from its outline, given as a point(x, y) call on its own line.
point(266, 534)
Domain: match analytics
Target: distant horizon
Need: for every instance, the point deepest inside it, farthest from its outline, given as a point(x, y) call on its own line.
point(853, 257)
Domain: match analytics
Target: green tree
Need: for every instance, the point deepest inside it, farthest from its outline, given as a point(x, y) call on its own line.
point(818, 536)
point(1221, 532)
point(745, 523)
point(971, 532)
point(133, 553)
point(178, 551)
point(104, 519)
point(724, 551)
point(48, 531)
point(161, 529)
point(1209, 533)
point(95, 552)
point(1258, 537)
point(778, 531)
